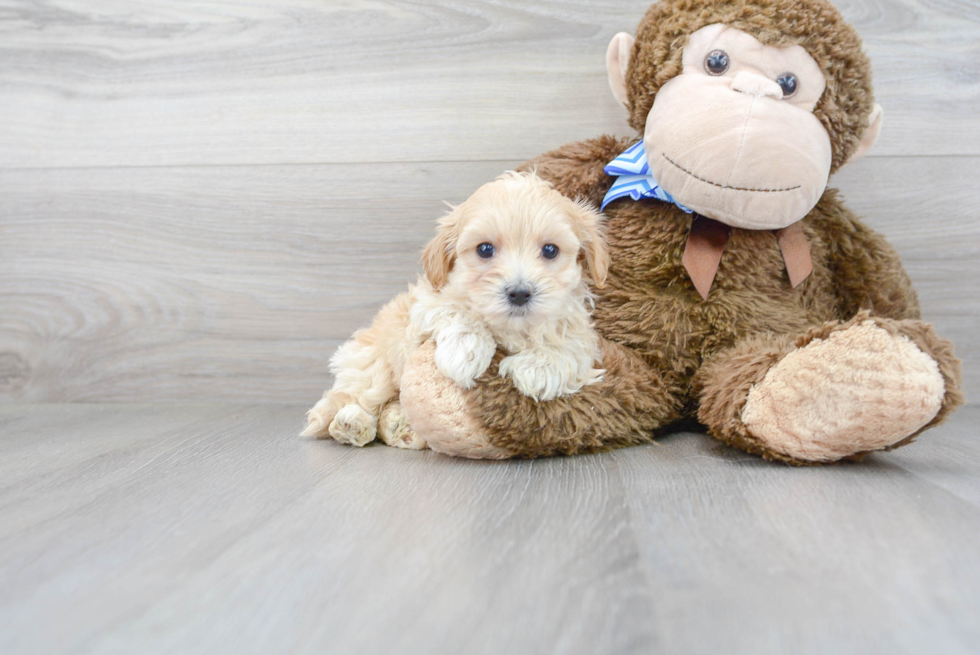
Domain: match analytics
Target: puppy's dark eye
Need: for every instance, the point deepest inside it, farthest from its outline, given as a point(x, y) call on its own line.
point(788, 83)
point(549, 251)
point(716, 63)
point(485, 250)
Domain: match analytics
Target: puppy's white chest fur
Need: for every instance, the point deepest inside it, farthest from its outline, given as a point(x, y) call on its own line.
point(547, 356)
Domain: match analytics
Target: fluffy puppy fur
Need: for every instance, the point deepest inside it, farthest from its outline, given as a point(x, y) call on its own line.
point(505, 269)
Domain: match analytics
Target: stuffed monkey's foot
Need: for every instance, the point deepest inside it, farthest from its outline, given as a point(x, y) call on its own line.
point(353, 425)
point(856, 390)
point(394, 430)
point(436, 408)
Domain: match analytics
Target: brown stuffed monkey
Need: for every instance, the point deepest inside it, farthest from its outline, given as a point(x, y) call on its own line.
point(741, 292)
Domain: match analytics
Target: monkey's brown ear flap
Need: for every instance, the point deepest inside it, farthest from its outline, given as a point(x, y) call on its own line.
point(870, 135)
point(590, 233)
point(439, 254)
point(617, 61)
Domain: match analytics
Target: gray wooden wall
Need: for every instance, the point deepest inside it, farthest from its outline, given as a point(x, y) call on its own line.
point(200, 200)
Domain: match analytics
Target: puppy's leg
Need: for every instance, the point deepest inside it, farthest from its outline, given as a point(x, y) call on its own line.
point(359, 379)
point(352, 425)
point(464, 350)
point(320, 415)
point(364, 379)
point(547, 372)
point(394, 430)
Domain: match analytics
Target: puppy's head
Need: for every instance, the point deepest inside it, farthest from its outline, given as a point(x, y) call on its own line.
point(515, 249)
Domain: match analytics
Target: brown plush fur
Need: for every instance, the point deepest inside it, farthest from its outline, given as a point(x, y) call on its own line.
point(668, 351)
point(816, 25)
point(623, 410)
point(723, 386)
point(670, 355)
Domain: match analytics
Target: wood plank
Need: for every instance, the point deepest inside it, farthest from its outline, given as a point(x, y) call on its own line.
point(204, 281)
point(142, 83)
point(237, 283)
point(952, 457)
point(318, 540)
point(751, 558)
point(213, 529)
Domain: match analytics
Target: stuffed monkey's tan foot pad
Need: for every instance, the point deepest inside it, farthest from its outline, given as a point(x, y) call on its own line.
point(394, 430)
point(858, 390)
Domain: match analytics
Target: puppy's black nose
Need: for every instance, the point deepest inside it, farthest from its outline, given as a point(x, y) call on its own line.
point(518, 296)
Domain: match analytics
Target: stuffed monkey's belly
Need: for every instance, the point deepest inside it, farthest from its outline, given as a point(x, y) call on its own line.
point(650, 304)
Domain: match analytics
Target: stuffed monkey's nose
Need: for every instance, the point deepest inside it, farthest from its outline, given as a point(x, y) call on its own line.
point(756, 85)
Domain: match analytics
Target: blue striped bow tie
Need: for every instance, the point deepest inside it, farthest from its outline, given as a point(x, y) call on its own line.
point(634, 179)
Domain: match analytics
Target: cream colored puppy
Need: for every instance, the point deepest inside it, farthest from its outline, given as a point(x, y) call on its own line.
point(504, 270)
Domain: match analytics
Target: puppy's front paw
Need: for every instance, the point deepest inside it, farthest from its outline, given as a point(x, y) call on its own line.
point(463, 355)
point(536, 375)
point(353, 426)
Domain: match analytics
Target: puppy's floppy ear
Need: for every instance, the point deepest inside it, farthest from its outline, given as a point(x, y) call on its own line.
point(440, 253)
point(589, 229)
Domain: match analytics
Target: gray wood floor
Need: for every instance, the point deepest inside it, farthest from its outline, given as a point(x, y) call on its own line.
point(214, 529)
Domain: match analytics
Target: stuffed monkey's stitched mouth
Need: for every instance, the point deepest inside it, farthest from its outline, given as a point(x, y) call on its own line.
point(724, 186)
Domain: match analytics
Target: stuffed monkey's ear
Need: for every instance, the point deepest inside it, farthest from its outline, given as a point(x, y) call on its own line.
point(617, 61)
point(870, 135)
point(589, 230)
point(440, 253)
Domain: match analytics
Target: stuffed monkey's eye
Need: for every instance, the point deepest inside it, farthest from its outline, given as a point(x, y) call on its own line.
point(788, 83)
point(716, 63)
point(549, 251)
point(485, 250)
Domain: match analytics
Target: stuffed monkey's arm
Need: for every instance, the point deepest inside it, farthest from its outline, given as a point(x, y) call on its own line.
point(576, 168)
point(495, 420)
point(867, 271)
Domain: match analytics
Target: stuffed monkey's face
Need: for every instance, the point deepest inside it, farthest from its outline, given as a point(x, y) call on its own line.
point(734, 137)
